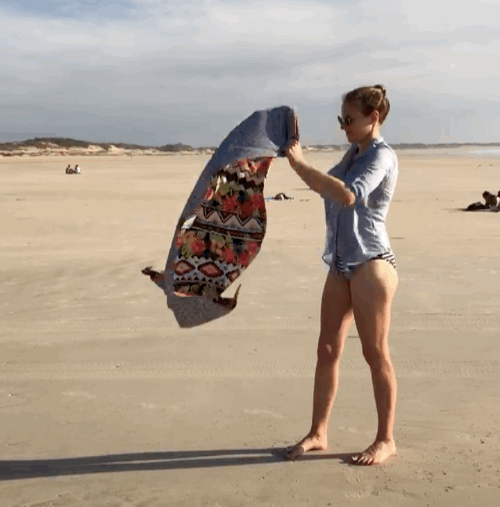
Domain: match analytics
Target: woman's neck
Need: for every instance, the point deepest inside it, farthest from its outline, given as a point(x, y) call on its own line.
point(364, 143)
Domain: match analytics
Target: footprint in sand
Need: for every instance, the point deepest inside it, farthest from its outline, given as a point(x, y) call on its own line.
point(80, 394)
point(151, 406)
point(264, 412)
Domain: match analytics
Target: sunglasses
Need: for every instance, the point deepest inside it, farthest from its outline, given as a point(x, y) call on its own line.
point(344, 122)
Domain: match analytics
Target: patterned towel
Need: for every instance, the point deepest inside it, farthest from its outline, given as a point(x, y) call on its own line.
point(222, 226)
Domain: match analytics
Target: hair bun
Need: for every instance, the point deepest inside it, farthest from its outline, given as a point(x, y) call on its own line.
point(381, 88)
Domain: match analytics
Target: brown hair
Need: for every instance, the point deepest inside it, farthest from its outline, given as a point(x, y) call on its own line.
point(370, 98)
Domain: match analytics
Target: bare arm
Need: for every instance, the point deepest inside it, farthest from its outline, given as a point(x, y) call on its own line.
point(325, 185)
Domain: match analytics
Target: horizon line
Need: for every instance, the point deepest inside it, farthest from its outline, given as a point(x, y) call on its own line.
point(182, 146)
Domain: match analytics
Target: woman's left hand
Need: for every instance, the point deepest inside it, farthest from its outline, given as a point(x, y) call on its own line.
point(294, 153)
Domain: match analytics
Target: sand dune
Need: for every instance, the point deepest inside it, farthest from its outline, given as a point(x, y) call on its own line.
point(101, 391)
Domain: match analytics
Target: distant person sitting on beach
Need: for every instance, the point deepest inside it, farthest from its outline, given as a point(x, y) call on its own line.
point(77, 169)
point(69, 170)
point(492, 202)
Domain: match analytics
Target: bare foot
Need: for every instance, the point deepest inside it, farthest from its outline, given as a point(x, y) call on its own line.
point(377, 452)
point(309, 443)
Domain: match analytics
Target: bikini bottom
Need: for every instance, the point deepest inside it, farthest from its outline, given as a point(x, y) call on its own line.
point(350, 270)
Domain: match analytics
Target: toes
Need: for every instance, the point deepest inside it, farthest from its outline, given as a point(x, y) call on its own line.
point(367, 460)
point(359, 459)
point(374, 455)
point(362, 459)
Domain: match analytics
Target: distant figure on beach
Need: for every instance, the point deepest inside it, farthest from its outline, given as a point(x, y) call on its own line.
point(69, 170)
point(492, 202)
point(282, 197)
point(77, 169)
point(495, 205)
point(362, 279)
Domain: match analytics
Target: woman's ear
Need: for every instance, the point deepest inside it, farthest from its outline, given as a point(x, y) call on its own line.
point(375, 117)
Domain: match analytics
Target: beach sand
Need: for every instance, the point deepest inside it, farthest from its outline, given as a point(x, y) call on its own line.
point(104, 401)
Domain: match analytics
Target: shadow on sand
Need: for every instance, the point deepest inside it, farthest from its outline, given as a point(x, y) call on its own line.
point(461, 210)
point(138, 462)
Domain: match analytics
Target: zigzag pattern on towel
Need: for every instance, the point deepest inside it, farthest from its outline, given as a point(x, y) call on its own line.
point(245, 179)
point(201, 269)
point(237, 183)
point(227, 232)
point(229, 221)
point(249, 167)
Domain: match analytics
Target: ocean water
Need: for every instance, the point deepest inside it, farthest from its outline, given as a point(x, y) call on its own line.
point(485, 151)
point(443, 152)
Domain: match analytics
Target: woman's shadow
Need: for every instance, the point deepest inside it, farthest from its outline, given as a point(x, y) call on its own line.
point(161, 460)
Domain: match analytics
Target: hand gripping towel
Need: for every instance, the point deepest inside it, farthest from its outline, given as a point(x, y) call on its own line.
point(221, 228)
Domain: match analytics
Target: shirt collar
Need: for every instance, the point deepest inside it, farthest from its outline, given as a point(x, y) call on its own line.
point(373, 142)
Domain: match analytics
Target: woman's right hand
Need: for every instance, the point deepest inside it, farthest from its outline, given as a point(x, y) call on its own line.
point(294, 153)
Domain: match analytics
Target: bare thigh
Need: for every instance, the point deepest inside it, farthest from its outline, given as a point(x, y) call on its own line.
point(336, 315)
point(372, 291)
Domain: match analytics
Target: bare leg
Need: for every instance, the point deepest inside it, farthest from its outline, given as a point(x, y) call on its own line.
point(336, 318)
point(372, 291)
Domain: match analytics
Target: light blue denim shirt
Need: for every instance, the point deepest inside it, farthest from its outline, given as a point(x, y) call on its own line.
point(357, 233)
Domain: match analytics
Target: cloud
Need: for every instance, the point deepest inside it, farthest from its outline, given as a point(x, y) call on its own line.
point(130, 66)
point(72, 9)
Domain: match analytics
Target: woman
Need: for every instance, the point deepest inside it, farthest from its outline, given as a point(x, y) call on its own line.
point(362, 279)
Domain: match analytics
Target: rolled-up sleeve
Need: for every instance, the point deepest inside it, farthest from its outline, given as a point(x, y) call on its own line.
point(377, 165)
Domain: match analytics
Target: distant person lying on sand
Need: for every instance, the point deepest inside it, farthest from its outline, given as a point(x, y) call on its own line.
point(492, 202)
point(282, 197)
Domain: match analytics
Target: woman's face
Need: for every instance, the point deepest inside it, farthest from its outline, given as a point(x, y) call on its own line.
point(360, 127)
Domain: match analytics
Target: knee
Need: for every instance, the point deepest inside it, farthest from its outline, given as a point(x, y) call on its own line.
point(376, 356)
point(328, 354)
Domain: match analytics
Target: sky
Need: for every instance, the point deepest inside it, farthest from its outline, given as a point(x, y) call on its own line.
point(154, 73)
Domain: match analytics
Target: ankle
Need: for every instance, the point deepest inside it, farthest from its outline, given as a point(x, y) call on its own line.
point(318, 433)
point(385, 439)
point(384, 435)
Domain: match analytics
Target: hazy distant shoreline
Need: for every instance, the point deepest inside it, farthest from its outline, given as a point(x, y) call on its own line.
point(73, 147)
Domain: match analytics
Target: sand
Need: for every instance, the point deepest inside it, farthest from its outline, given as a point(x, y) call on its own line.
point(104, 401)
